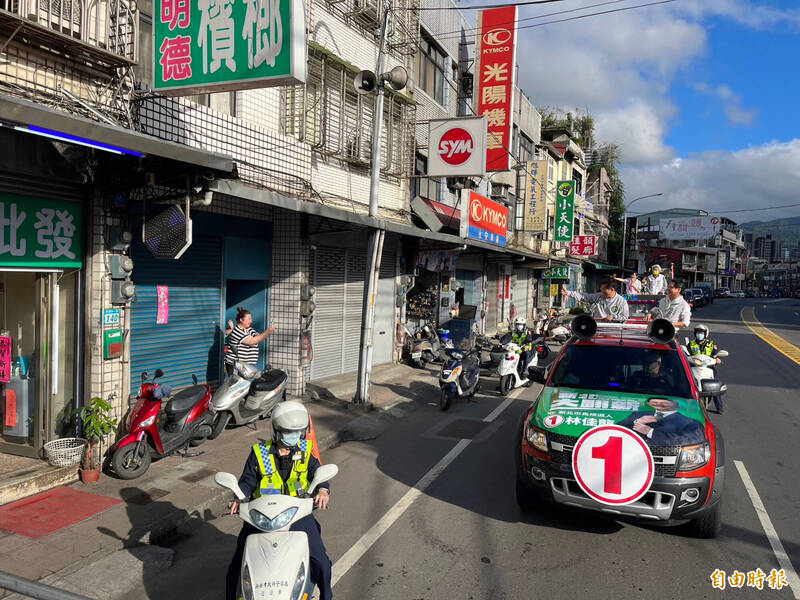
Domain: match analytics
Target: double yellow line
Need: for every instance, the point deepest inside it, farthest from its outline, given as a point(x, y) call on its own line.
point(788, 349)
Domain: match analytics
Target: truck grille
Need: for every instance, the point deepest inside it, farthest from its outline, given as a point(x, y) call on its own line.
point(665, 457)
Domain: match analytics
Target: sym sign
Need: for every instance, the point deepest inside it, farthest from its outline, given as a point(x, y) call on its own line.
point(457, 147)
point(483, 219)
point(494, 94)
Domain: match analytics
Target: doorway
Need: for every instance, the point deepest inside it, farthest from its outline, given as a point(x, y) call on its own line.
point(250, 294)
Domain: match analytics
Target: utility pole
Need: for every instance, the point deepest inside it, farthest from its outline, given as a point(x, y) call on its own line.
point(376, 236)
point(625, 222)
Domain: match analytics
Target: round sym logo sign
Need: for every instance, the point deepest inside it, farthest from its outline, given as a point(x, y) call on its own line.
point(456, 146)
point(497, 37)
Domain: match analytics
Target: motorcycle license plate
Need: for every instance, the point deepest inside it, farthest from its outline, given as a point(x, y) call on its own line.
point(416, 354)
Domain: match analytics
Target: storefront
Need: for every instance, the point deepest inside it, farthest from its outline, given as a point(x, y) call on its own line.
point(41, 260)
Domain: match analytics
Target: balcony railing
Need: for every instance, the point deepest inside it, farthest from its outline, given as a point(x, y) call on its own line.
point(107, 26)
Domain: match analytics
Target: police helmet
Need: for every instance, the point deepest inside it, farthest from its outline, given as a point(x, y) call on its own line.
point(519, 324)
point(289, 422)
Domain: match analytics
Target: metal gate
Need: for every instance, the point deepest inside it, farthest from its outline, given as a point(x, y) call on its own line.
point(190, 341)
point(520, 298)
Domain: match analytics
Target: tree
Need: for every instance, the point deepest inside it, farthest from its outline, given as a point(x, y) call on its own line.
point(607, 156)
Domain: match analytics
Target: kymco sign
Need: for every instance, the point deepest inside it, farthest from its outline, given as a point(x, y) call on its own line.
point(483, 219)
point(457, 147)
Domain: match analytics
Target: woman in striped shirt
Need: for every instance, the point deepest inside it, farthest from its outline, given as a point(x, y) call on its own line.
point(243, 340)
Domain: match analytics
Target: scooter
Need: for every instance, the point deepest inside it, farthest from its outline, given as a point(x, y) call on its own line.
point(155, 430)
point(276, 561)
point(460, 376)
point(556, 328)
point(246, 395)
point(423, 346)
point(702, 366)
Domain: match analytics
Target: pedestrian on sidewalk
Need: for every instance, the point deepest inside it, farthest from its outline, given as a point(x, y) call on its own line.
point(243, 340)
point(281, 467)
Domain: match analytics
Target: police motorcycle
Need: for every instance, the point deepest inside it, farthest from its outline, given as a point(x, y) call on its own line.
point(509, 367)
point(460, 374)
point(702, 366)
point(277, 560)
point(246, 395)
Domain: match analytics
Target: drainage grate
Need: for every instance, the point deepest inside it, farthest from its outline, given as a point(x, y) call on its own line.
point(197, 475)
point(147, 497)
point(462, 429)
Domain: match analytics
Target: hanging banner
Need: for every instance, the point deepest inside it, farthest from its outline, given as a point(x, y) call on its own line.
point(565, 211)
point(218, 45)
point(483, 219)
point(162, 312)
point(583, 245)
point(536, 203)
point(35, 232)
point(495, 58)
point(5, 359)
point(688, 228)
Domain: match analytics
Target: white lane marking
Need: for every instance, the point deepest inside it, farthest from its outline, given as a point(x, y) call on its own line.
point(366, 541)
point(772, 535)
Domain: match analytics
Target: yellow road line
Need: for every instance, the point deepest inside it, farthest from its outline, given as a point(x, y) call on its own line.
point(788, 349)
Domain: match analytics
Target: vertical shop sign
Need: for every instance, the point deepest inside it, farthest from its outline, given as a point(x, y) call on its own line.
point(216, 45)
point(5, 359)
point(35, 232)
point(496, 54)
point(536, 203)
point(162, 313)
point(565, 211)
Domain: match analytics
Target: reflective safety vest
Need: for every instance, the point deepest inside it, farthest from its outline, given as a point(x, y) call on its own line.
point(707, 347)
point(271, 481)
point(521, 340)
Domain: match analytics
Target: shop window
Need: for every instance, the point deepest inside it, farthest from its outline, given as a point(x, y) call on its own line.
point(431, 68)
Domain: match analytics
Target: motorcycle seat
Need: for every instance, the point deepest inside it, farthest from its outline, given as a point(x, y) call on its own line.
point(185, 399)
point(270, 380)
point(469, 363)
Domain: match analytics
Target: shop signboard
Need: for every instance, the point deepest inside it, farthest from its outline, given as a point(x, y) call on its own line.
point(556, 273)
point(483, 219)
point(583, 245)
point(457, 147)
point(565, 211)
point(218, 45)
point(5, 359)
point(496, 57)
point(688, 228)
point(35, 232)
point(536, 202)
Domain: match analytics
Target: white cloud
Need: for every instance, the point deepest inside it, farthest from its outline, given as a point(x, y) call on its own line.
point(638, 128)
point(756, 177)
point(731, 104)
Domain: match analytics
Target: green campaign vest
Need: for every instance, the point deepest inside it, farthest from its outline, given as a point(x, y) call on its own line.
point(696, 348)
point(520, 340)
point(271, 482)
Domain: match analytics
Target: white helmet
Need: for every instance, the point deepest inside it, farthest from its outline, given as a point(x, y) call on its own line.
point(289, 423)
point(519, 324)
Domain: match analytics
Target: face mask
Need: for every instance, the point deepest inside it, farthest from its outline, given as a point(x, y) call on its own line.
point(291, 439)
point(655, 273)
point(700, 336)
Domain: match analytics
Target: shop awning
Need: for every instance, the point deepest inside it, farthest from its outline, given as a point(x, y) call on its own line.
point(603, 266)
point(35, 119)
point(235, 188)
point(436, 215)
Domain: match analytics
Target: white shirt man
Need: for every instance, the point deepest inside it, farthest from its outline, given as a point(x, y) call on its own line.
point(607, 305)
point(673, 307)
point(656, 283)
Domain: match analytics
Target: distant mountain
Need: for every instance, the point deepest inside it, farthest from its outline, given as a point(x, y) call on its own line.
point(783, 230)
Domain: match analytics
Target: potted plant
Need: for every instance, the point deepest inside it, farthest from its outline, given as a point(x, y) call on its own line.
point(97, 417)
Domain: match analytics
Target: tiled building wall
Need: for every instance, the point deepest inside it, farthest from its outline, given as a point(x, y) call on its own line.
point(289, 272)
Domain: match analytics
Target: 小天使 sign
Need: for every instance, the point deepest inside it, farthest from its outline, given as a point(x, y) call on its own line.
point(565, 211)
point(556, 273)
point(36, 232)
point(216, 45)
point(483, 219)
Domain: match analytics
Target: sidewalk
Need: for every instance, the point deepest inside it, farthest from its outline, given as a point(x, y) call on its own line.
point(86, 557)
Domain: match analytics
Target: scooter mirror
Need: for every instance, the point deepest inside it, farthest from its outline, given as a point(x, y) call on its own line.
point(324, 473)
point(159, 373)
point(722, 354)
point(228, 480)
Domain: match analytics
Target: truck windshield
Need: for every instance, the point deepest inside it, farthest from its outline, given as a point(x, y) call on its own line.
point(623, 369)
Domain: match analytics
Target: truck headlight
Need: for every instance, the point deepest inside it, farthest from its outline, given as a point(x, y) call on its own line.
point(536, 438)
point(693, 457)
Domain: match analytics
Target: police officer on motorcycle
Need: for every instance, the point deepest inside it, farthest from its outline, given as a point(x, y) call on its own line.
point(701, 344)
point(285, 465)
point(522, 338)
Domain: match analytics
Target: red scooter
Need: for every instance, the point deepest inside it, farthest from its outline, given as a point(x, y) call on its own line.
point(154, 431)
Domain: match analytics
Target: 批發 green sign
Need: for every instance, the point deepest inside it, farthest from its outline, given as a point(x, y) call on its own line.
point(35, 232)
point(556, 273)
point(215, 45)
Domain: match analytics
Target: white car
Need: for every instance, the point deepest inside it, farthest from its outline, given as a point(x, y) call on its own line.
point(737, 294)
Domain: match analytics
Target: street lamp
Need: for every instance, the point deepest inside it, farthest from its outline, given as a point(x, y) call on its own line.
point(625, 222)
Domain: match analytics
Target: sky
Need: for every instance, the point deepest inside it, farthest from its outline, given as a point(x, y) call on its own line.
point(700, 95)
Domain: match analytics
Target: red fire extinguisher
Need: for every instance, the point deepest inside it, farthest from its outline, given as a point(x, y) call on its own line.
point(306, 350)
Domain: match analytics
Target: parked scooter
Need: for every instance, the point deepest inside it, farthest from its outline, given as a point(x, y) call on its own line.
point(556, 328)
point(423, 346)
point(277, 558)
point(702, 367)
point(156, 431)
point(246, 395)
point(460, 375)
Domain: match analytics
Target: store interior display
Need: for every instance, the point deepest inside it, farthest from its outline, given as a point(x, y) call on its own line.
point(421, 304)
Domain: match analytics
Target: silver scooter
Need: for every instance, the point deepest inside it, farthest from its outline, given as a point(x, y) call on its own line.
point(246, 395)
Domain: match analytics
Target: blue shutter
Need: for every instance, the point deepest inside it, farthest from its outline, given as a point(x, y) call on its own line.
point(190, 343)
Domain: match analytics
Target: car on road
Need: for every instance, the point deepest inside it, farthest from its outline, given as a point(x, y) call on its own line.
point(698, 297)
point(737, 294)
point(722, 292)
point(708, 293)
point(615, 381)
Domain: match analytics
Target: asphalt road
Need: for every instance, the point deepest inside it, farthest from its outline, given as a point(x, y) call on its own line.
point(463, 536)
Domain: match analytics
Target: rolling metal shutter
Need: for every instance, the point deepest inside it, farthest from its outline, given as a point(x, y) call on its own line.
point(190, 343)
point(354, 297)
point(521, 284)
point(492, 301)
point(383, 343)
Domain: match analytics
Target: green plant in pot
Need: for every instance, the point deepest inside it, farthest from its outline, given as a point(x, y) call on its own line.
point(97, 418)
